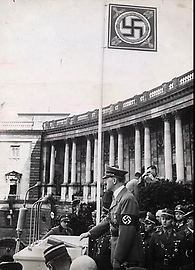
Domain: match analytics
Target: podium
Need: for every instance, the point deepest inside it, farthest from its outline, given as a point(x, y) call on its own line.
point(32, 257)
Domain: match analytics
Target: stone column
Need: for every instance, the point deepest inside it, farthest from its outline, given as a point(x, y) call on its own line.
point(88, 170)
point(137, 149)
point(167, 148)
point(179, 148)
point(50, 186)
point(147, 146)
point(94, 184)
point(111, 153)
point(64, 186)
point(120, 148)
point(73, 170)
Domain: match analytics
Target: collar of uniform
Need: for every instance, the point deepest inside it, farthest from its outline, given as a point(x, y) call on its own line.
point(117, 191)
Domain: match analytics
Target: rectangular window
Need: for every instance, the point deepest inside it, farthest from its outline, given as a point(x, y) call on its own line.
point(14, 151)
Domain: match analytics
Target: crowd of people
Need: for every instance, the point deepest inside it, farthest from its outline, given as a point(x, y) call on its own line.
point(125, 238)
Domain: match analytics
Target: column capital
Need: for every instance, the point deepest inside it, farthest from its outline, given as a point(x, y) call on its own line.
point(95, 135)
point(67, 140)
point(166, 116)
point(146, 123)
point(119, 130)
point(88, 136)
point(111, 131)
point(176, 114)
point(137, 125)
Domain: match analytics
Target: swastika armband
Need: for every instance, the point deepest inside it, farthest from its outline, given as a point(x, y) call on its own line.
point(128, 220)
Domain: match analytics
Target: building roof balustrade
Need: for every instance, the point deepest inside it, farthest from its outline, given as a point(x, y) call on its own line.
point(131, 103)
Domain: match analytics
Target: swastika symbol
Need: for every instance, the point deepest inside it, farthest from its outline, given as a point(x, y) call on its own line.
point(126, 219)
point(132, 27)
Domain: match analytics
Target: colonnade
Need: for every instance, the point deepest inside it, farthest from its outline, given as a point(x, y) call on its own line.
point(89, 185)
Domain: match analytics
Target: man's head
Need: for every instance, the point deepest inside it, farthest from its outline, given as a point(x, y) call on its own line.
point(83, 262)
point(64, 221)
point(158, 215)
point(149, 222)
point(179, 212)
point(152, 169)
point(167, 218)
point(114, 177)
point(57, 257)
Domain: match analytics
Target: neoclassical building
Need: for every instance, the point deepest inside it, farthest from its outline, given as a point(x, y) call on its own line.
point(155, 127)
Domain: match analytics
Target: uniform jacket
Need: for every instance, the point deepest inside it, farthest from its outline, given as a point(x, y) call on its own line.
point(188, 254)
point(122, 221)
point(163, 253)
point(180, 226)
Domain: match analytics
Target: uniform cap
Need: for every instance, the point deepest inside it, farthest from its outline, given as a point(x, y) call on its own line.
point(11, 266)
point(180, 208)
point(159, 213)
point(150, 218)
point(75, 202)
point(114, 172)
point(65, 217)
point(55, 251)
point(167, 212)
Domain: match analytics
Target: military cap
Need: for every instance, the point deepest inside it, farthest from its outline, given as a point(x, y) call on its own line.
point(75, 202)
point(159, 213)
point(167, 212)
point(189, 214)
point(11, 266)
point(55, 251)
point(150, 218)
point(114, 172)
point(65, 217)
point(180, 208)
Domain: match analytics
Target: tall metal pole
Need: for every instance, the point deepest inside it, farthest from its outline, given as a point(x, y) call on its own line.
point(99, 175)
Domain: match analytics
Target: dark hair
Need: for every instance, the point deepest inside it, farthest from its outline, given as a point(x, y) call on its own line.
point(138, 174)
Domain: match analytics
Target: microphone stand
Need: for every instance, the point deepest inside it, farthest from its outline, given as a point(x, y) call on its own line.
point(21, 218)
point(35, 223)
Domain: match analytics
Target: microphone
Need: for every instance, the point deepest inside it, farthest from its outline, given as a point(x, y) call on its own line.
point(21, 219)
point(36, 185)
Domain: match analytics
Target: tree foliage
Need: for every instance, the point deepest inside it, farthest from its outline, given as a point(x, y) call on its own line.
point(165, 194)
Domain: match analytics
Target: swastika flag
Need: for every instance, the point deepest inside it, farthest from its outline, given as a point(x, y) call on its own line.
point(132, 27)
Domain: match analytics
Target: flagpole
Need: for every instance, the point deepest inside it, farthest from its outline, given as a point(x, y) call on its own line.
point(99, 174)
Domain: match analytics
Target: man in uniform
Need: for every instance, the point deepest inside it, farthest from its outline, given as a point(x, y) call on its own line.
point(188, 259)
point(122, 221)
point(165, 248)
point(150, 225)
point(179, 217)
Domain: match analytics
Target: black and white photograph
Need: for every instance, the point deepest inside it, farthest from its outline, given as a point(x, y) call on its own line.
point(96, 135)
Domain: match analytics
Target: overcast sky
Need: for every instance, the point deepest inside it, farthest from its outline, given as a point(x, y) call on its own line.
point(51, 56)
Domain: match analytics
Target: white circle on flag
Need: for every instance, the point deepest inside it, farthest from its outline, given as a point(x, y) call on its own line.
point(132, 27)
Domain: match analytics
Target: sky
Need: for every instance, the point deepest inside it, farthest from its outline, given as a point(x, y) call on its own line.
point(54, 55)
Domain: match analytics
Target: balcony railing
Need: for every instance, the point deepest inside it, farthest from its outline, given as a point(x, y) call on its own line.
point(123, 105)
